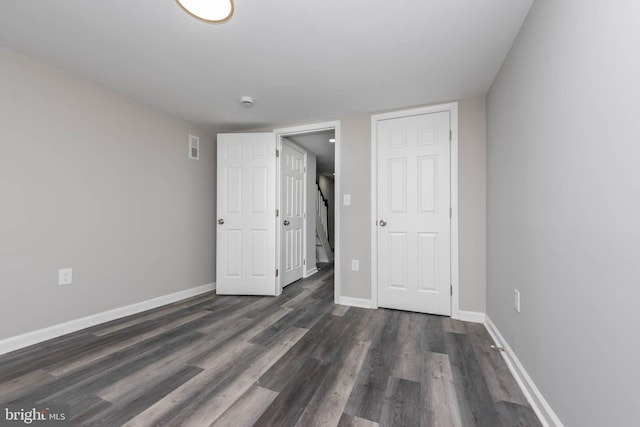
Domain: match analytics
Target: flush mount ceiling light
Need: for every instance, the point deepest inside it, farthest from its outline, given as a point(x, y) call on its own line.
point(332, 140)
point(208, 10)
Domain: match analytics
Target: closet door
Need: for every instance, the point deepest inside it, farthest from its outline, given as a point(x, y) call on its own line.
point(413, 228)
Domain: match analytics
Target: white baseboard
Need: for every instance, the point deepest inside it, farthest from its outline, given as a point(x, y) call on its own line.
point(471, 316)
point(35, 337)
point(310, 273)
point(547, 417)
point(355, 302)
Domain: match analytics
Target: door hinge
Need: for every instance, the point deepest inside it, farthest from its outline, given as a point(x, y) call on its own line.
point(277, 153)
point(451, 289)
point(277, 212)
point(305, 215)
point(450, 135)
point(304, 262)
point(276, 272)
point(450, 212)
point(305, 169)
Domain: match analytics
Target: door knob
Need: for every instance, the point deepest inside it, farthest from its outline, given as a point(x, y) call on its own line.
point(382, 223)
point(286, 222)
point(221, 221)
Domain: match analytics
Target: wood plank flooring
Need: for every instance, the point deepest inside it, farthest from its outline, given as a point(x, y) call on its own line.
point(295, 360)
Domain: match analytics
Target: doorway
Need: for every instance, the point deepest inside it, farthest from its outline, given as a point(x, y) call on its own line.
point(321, 233)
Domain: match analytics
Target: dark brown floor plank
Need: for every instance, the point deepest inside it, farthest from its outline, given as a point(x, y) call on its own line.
point(277, 377)
point(42, 355)
point(327, 405)
point(452, 325)
point(474, 400)
point(202, 400)
point(402, 406)
point(287, 408)
point(108, 345)
point(501, 384)
point(297, 359)
point(109, 369)
point(125, 322)
point(242, 333)
point(278, 328)
point(513, 415)
point(247, 409)
point(438, 393)
point(141, 398)
point(12, 389)
point(352, 421)
point(87, 408)
point(371, 386)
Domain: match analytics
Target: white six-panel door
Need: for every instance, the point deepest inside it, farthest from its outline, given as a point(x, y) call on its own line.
point(246, 206)
point(413, 230)
point(293, 201)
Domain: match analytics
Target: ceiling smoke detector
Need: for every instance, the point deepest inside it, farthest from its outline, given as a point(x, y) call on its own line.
point(246, 101)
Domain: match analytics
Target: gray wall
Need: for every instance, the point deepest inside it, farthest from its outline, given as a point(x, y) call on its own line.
point(564, 206)
point(92, 180)
point(327, 186)
point(472, 203)
point(355, 219)
point(355, 179)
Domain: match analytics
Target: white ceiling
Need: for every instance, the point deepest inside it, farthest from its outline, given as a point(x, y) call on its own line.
point(302, 61)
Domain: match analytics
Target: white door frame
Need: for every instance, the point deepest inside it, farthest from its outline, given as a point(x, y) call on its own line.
point(296, 130)
point(452, 108)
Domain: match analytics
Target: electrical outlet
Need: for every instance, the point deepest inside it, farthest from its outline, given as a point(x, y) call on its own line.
point(516, 301)
point(355, 265)
point(346, 199)
point(65, 276)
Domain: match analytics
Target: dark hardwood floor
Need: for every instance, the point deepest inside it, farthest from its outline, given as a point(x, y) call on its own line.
point(293, 360)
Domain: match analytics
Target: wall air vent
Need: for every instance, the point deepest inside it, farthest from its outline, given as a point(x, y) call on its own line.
point(194, 147)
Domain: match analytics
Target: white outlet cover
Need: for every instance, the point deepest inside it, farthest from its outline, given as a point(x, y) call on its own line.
point(355, 265)
point(65, 276)
point(346, 199)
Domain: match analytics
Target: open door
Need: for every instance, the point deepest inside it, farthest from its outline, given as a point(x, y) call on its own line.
point(246, 237)
point(292, 201)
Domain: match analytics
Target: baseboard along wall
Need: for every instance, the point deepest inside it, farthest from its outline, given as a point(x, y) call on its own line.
point(543, 410)
point(30, 338)
point(310, 272)
point(537, 401)
point(355, 302)
point(471, 316)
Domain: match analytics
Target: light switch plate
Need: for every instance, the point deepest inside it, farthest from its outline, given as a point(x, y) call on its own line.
point(346, 199)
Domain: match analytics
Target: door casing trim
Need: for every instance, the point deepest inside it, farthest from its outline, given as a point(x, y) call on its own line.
point(452, 108)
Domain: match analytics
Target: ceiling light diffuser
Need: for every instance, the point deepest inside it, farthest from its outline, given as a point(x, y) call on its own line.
point(332, 140)
point(208, 10)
